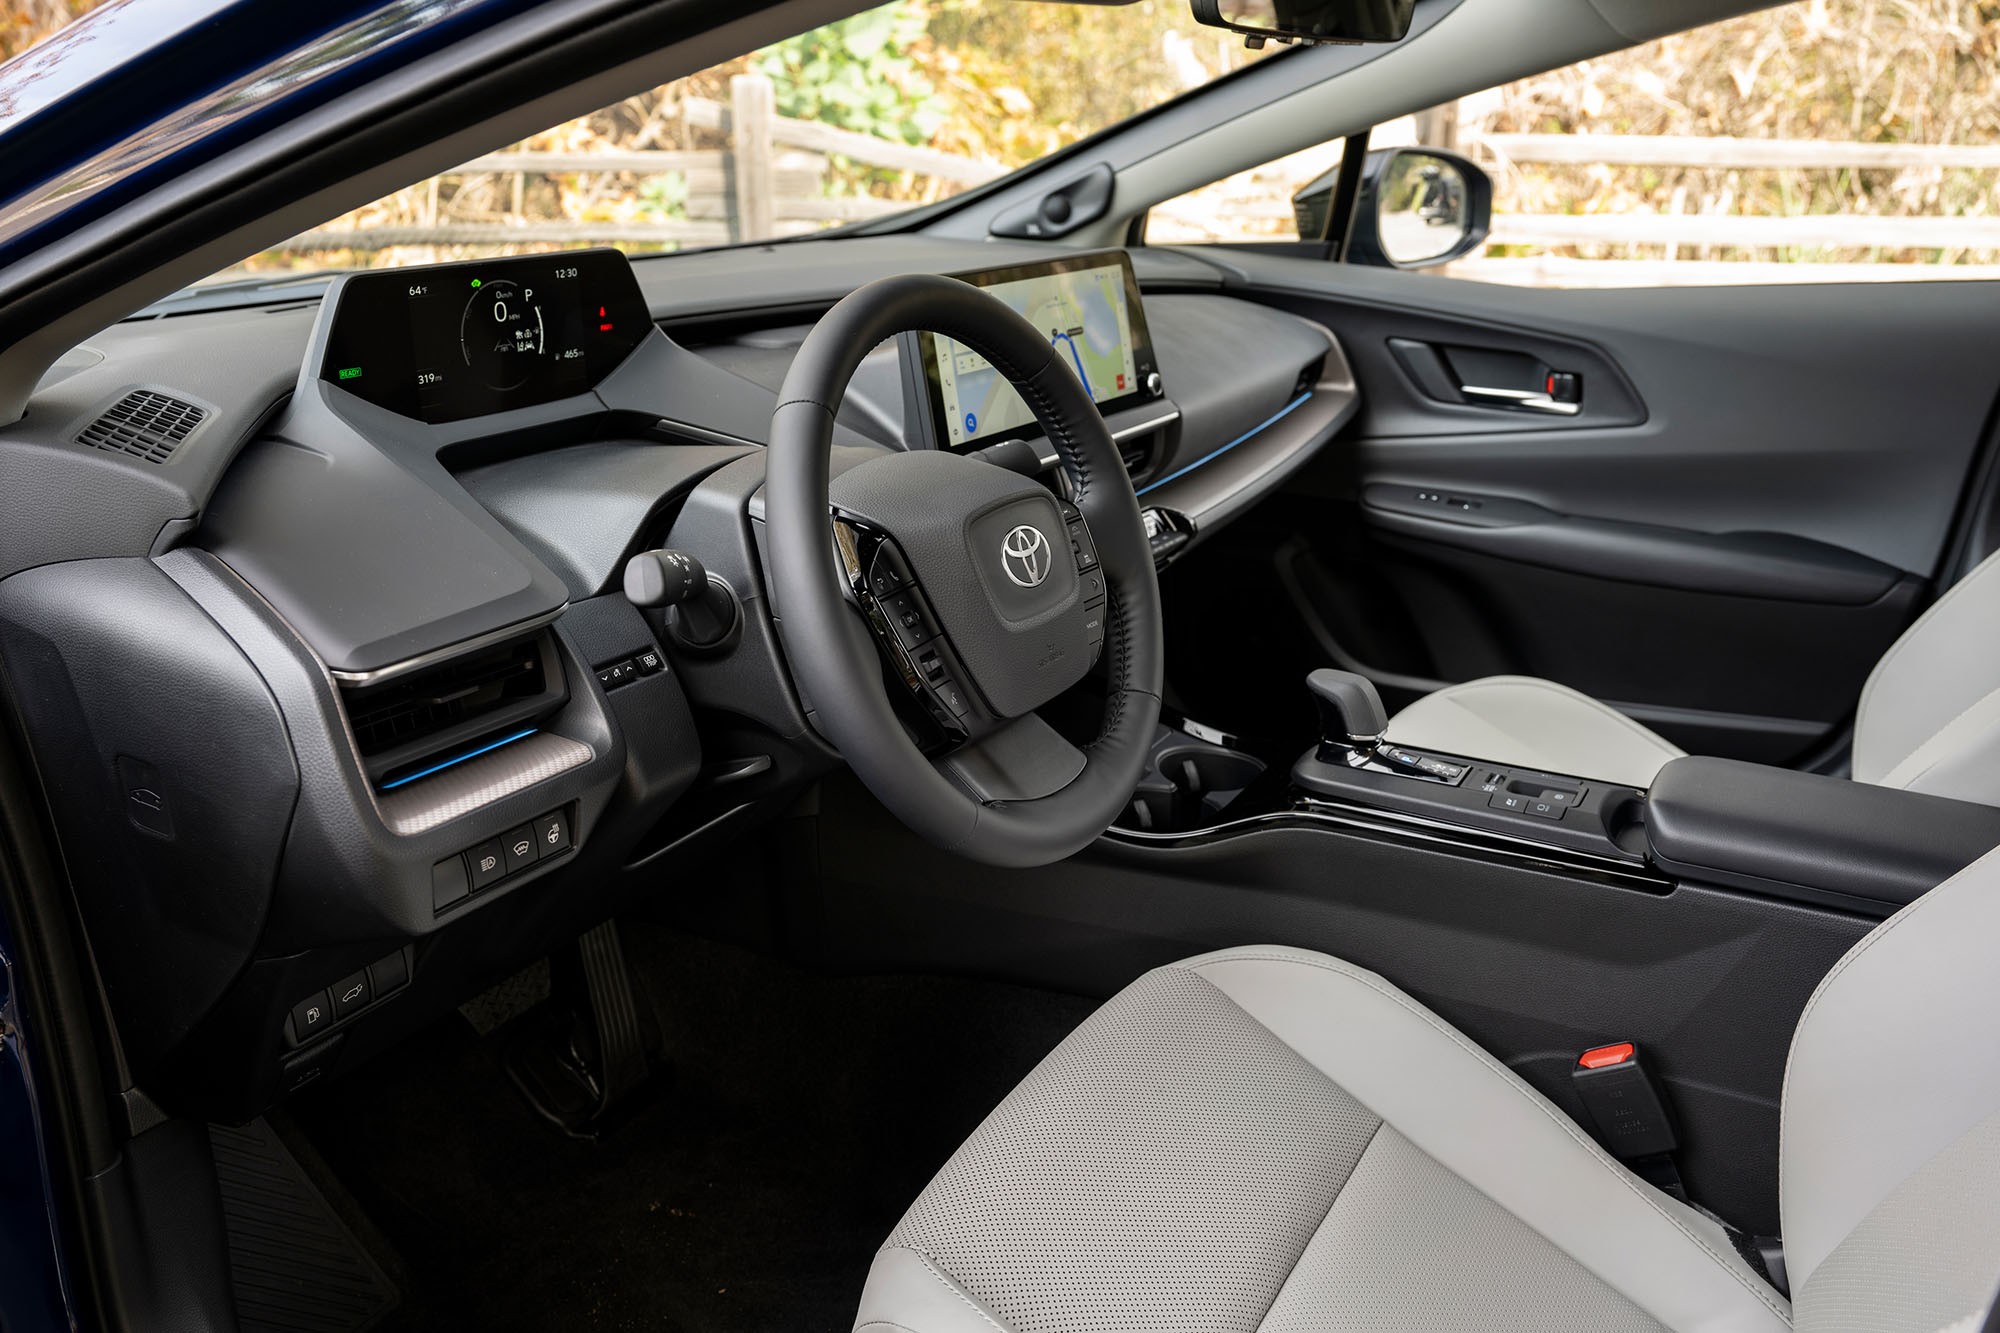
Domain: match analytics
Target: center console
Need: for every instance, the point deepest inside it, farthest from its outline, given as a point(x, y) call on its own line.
point(1774, 833)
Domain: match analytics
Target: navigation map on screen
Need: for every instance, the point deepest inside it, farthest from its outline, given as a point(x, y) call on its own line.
point(1083, 313)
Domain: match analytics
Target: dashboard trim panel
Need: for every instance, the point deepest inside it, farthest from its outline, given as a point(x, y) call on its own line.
point(478, 782)
point(1399, 827)
point(449, 651)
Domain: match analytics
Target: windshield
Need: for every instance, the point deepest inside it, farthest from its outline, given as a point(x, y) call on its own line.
point(894, 108)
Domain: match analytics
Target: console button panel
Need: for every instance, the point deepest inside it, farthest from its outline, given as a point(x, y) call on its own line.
point(1575, 813)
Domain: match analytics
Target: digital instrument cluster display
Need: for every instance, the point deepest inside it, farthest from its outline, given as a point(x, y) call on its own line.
point(449, 341)
point(1087, 306)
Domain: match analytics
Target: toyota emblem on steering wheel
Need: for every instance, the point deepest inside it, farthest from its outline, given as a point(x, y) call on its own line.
point(1025, 556)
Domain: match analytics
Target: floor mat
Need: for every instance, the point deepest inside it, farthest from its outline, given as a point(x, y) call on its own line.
point(801, 1116)
point(294, 1264)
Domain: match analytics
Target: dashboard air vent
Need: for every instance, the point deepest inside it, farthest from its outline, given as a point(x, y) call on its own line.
point(1309, 376)
point(425, 721)
point(147, 425)
point(1138, 456)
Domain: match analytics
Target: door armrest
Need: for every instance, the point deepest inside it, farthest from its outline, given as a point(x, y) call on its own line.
point(1804, 836)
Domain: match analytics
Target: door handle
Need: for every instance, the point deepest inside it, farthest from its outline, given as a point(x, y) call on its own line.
point(1530, 399)
point(1443, 377)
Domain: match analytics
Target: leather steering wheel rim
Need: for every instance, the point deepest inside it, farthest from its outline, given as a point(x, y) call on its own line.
point(830, 652)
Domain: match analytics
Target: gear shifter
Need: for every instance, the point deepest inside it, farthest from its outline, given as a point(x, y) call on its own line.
point(1350, 711)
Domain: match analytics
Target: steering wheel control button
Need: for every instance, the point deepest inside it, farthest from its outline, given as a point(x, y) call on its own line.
point(650, 663)
point(950, 695)
point(489, 864)
point(351, 993)
point(1080, 545)
point(311, 1016)
point(519, 848)
point(1093, 587)
point(908, 619)
point(618, 673)
point(449, 883)
point(887, 572)
point(552, 833)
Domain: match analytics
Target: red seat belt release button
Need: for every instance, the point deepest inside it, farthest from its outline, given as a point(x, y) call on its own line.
point(1623, 1103)
point(1601, 1056)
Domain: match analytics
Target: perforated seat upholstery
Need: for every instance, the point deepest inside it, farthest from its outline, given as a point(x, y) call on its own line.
point(1928, 720)
point(1271, 1139)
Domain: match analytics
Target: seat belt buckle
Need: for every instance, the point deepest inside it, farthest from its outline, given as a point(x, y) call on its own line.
point(1624, 1103)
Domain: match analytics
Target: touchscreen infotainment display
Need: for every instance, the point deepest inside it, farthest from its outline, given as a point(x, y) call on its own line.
point(1088, 308)
point(444, 342)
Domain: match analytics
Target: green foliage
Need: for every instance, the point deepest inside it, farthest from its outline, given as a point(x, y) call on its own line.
point(858, 74)
point(664, 197)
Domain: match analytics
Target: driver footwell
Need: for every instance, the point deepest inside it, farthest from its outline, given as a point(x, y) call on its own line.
point(799, 1115)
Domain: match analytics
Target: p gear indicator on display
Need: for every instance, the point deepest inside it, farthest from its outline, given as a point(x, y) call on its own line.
point(489, 336)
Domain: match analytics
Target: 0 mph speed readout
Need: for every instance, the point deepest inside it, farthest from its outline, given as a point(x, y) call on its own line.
point(502, 334)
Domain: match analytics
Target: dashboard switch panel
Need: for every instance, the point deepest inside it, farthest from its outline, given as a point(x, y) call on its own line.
point(334, 1005)
point(515, 852)
point(449, 882)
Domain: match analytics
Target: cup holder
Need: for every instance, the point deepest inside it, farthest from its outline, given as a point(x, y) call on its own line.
point(1188, 783)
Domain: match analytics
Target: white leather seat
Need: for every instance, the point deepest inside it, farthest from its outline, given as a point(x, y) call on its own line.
point(1929, 717)
point(1270, 1139)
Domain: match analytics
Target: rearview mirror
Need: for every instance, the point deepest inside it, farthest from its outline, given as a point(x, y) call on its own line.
point(1415, 207)
point(1348, 22)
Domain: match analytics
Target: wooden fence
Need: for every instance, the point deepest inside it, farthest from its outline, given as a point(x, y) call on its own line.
point(772, 181)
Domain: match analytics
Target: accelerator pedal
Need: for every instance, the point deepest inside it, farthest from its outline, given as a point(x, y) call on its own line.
point(588, 1060)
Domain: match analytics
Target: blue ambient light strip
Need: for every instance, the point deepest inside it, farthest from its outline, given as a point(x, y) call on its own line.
point(469, 754)
point(1283, 412)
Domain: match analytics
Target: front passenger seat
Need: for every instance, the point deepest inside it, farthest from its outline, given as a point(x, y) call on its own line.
point(1267, 1140)
point(1928, 721)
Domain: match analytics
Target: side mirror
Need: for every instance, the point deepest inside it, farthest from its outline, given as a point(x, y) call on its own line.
point(1416, 207)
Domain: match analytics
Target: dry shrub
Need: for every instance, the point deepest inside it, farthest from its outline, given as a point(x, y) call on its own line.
point(26, 22)
point(1904, 72)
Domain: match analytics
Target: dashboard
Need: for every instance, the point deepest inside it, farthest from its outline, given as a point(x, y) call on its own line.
point(313, 607)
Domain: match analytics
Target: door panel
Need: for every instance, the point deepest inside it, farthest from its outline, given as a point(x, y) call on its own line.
point(1741, 505)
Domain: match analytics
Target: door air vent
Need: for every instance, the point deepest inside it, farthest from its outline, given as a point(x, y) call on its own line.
point(411, 725)
point(146, 425)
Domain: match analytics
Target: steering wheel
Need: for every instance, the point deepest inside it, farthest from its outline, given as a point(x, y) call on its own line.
point(987, 593)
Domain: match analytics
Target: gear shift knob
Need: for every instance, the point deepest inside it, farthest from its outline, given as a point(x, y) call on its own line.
point(1350, 711)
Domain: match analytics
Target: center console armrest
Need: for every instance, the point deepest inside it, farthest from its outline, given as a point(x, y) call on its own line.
point(1805, 836)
